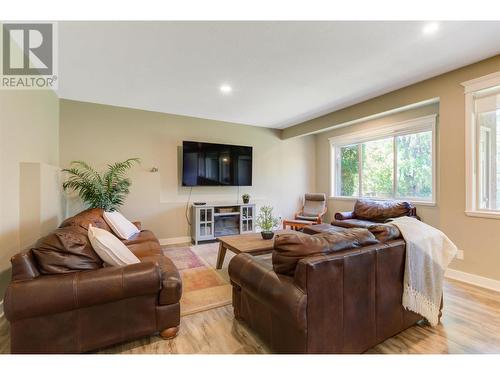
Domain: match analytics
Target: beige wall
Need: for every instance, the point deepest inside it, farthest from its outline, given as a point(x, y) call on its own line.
point(41, 201)
point(29, 132)
point(282, 170)
point(478, 237)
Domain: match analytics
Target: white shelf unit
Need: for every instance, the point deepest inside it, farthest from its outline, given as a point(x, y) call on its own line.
point(217, 220)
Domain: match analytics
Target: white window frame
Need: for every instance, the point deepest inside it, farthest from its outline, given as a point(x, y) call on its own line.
point(471, 149)
point(416, 125)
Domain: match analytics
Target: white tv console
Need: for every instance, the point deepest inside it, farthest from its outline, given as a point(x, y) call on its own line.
point(214, 220)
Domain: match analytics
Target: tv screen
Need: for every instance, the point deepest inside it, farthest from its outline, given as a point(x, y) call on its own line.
point(211, 164)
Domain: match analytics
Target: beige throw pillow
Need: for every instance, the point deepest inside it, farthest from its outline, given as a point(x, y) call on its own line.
point(110, 249)
point(120, 225)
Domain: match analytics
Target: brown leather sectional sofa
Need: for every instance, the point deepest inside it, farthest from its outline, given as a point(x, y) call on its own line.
point(62, 300)
point(336, 290)
point(334, 301)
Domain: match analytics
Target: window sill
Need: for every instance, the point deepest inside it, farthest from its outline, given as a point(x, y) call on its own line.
point(416, 203)
point(484, 214)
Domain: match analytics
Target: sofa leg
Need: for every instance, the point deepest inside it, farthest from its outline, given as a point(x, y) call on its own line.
point(169, 333)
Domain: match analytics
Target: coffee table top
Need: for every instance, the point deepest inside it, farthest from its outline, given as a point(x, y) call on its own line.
point(251, 243)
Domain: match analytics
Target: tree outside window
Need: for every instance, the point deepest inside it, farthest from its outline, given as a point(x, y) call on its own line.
point(393, 167)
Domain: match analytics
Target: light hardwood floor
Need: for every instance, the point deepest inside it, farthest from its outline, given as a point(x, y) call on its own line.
point(470, 324)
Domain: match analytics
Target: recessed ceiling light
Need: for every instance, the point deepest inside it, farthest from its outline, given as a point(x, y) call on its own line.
point(225, 89)
point(431, 28)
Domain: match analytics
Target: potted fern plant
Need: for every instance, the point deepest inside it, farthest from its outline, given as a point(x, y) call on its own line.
point(266, 221)
point(106, 190)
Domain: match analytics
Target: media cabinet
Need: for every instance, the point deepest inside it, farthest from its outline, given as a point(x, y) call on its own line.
point(222, 219)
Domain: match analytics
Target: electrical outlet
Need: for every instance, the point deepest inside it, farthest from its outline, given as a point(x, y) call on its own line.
point(460, 255)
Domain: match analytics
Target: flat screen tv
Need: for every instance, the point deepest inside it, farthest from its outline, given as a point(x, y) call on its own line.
point(211, 164)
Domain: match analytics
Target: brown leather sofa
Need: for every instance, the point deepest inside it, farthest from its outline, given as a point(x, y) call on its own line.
point(326, 293)
point(367, 212)
point(62, 300)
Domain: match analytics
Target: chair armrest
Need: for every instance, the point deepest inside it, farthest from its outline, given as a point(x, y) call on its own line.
point(345, 215)
point(138, 224)
point(278, 292)
point(53, 294)
point(320, 216)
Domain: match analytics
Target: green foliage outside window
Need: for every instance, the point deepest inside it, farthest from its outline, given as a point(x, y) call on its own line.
point(349, 171)
point(414, 167)
point(377, 168)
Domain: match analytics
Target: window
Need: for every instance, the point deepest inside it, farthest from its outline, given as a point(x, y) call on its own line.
point(483, 146)
point(390, 162)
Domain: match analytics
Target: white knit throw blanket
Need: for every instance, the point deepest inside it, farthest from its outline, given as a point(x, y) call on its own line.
point(428, 254)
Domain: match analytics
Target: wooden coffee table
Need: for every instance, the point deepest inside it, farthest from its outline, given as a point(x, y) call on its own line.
point(251, 243)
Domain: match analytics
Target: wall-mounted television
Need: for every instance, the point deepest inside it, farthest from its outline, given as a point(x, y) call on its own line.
point(212, 164)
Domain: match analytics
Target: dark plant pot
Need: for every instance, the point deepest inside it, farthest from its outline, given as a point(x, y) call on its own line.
point(246, 200)
point(267, 235)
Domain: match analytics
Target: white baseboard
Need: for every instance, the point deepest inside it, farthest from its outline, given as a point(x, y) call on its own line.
point(469, 278)
point(174, 240)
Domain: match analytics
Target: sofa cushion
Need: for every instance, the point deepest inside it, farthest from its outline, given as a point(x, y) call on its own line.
point(352, 223)
point(323, 228)
point(85, 218)
point(142, 236)
point(143, 243)
point(385, 232)
point(143, 249)
point(380, 211)
point(65, 250)
point(289, 249)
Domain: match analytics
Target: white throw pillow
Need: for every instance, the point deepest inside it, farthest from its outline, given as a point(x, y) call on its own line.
point(110, 249)
point(122, 227)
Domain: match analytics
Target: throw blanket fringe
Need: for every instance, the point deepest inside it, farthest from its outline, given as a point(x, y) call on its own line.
point(428, 254)
point(417, 302)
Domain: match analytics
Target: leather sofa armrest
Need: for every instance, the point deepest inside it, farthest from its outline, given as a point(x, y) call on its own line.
point(344, 215)
point(24, 266)
point(170, 278)
point(53, 294)
point(277, 292)
point(138, 224)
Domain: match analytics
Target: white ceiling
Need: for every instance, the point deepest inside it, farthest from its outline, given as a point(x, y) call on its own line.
point(282, 73)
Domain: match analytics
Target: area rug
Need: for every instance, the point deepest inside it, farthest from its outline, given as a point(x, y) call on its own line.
point(203, 286)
